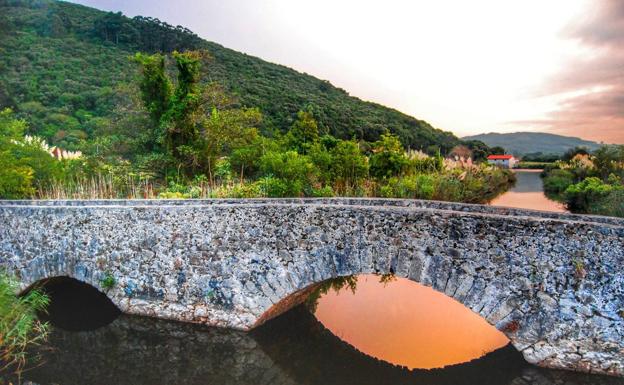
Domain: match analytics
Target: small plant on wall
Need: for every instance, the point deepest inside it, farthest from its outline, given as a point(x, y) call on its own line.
point(108, 281)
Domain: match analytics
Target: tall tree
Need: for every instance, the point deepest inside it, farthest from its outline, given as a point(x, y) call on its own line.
point(156, 91)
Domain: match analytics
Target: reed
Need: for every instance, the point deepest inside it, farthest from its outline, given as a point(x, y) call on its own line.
point(20, 329)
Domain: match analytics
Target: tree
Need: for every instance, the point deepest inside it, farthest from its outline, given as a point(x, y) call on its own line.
point(184, 110)
point(110, 27)
point(350, 166)
point(571, 153)
point(304, 132)
point(388, 157)
point(156, 90)
point(609, 160)
point(176, 115)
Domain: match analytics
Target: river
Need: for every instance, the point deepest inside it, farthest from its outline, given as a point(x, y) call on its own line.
point(528, 193)
point(369, 330)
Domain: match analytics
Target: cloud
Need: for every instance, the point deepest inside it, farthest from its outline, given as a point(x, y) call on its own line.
point(591, 86)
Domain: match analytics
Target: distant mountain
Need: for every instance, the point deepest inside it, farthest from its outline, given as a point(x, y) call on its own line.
point(520, 143)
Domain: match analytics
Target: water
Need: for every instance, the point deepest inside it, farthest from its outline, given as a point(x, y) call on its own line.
point(407, 324)
point(294, 348)
point(528, 193)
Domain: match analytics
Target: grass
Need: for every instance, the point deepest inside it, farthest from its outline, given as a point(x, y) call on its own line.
point(20, 328)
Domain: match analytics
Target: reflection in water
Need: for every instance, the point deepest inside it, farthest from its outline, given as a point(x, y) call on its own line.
point(407, 324)
point(292, 349)
point(528, 193)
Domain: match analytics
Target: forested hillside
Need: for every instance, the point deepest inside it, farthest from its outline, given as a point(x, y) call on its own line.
point(65, 69)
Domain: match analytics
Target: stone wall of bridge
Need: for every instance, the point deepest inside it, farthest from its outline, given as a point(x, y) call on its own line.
point(553, 283)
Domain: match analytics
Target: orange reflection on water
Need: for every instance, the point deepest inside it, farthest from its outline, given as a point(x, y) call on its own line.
point(407, 324)
point(528, 200)
point(528, 193)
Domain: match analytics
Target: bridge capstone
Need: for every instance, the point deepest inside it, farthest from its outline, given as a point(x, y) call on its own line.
point(553, 283)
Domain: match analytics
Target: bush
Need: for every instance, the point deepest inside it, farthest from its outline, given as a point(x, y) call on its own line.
point(349, 165)
point(582, 196)
point(557, 181)
point(325, 191)
point(296, 171)
point(19, 326)
point(272, 187)
point(388, 157)
point(245, 190)
point(611, 204)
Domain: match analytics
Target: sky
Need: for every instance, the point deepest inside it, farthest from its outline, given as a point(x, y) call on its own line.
point(468, 67)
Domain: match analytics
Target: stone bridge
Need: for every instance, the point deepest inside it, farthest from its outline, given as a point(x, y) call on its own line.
point(553, 283)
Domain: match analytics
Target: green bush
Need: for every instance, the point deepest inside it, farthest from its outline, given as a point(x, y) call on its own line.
point(245, 190)
point(325, 191)
point(611, 204)
point(272, 187)
point(448, 188)
point(108, 281)
point(349, 166)
point(296, 171)
point(19, 325)
point(582, 196)
point(388, 157)
point(557, 181)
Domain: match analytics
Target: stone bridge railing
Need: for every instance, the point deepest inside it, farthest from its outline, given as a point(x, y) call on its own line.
point(553, 283)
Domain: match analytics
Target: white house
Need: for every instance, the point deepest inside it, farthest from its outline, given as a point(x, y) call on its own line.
point(505, 161)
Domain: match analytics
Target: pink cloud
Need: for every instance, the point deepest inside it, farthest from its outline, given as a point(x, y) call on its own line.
point(598, 111)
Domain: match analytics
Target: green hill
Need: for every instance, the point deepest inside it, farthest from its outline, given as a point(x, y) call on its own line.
point(64, 68)
point(522, 143)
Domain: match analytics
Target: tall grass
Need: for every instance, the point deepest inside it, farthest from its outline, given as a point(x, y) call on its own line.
point(20, 328)
point(98, 187)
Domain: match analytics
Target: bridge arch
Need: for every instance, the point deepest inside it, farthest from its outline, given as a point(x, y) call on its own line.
point(549, 281)
point(75, 305)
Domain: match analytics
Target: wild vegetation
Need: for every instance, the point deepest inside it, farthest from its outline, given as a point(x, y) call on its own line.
point(64, 68)
point(171, 126)
point(589, 183)
point(20, 328)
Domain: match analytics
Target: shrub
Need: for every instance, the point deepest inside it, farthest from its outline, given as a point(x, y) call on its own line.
point(108, 281)
point(325, 191)
point(580, 197)
point(296, 171)
point(245, 190)
point(388, 157)
point(611, 204)
point(19, 326)
point(272, 187)
point(557, 181)
point(349, 165)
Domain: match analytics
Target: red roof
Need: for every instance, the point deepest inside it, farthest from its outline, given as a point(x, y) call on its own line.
point(499, 157)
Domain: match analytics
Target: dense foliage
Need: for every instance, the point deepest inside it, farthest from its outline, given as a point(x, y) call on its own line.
point(64, 68)
point(25, 166)
point(589, 183)
point(200, 121)
point(20, 328)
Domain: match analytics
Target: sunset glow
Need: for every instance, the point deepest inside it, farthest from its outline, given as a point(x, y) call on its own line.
point(407, 324)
